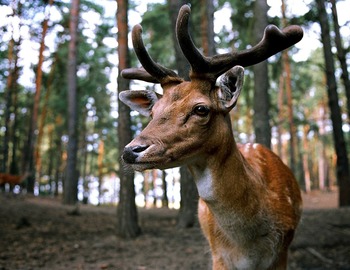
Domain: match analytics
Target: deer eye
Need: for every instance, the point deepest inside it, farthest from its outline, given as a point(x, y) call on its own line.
point(201, 110)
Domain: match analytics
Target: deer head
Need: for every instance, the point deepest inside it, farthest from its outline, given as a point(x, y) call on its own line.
point(190, 121)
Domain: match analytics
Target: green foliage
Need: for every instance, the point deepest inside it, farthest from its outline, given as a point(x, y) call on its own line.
point(157, 34)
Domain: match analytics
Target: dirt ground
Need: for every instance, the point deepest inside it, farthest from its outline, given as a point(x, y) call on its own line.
point(41, 233)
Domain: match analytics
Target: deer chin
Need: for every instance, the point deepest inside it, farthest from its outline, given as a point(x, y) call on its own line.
point(142, 158)
point(152, 157)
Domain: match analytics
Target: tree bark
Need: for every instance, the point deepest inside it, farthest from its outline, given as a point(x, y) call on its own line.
point(8, 100)
point(343, 176)
point(70, 195)
point(165, 199)
point(37, 154)
point(29, 167)
point(127, 218)
point(305, 157)
point(261, 118)
point(341, 54)
point(288, 87)
point(207, 27)
point(11, 93)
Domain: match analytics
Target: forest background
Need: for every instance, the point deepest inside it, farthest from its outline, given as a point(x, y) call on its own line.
point(62, 127)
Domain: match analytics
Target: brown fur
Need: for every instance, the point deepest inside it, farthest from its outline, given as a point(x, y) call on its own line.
point(12, 180)
point(250, 202)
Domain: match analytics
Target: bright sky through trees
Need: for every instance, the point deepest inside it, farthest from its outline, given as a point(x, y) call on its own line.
point(29, 51)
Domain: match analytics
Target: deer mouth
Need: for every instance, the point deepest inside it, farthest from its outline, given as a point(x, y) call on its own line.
point(144, 157)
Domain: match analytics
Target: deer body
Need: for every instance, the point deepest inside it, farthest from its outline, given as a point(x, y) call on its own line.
point(250, 203)
point(250, 219)
point(12, 180)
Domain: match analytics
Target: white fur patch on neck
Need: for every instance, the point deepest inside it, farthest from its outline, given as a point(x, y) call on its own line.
point(204, 182)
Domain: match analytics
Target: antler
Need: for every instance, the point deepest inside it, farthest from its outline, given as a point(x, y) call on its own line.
point(151, 71)
point(273, 41)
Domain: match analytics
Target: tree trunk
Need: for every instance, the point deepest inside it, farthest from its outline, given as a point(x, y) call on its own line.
point(189, 195)
point(14, 168)
point(342, 165)
point(37, 154)
point(281, 118)
point(101, 149)
point(30, 168)
point(305, 157)
point(323, 176)
point(207, 27)
point(288, 86)
point(261, 104)
point(71, 182)
point(8, 107)
point(341, 54)
point(11, 89)
point(127, 219)
point(165, 199)
point(189, 200)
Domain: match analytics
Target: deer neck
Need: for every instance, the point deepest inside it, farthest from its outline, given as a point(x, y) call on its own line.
point(226, 180)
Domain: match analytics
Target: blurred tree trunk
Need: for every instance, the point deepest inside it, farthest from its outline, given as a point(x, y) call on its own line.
point(341, 54)
point(10, 94)
point(29, 158)
point(342, 166)
point(323, 166)
point(305, 158)
point(37, 154)
point(70, 195)
point(288, 87)
point(8, 107)
point(58, 153)
point(146, 186)
point(14, 167)
point(281, 117)
point(101, 149)
point(127, 219)
point(188, 192)
point(84, 136)
point(207, 27)
point(261, 118)
point(51, 159)
point(165, 199)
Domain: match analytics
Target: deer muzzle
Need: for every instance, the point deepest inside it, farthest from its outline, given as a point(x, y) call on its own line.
point(132, 153)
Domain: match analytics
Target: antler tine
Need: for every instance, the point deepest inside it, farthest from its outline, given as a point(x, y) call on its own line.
point(139, 74)
point(197, 61)
point(273, 41)
point(151, 71)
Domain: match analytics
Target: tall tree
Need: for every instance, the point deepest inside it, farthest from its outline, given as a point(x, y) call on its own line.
point(11, 89)
point(341, 54)
point(127, 219)
point(343, 175)
point(288, 90)
point(71, 181)
point(207, 27)
point(35, 111)
point(261, 103)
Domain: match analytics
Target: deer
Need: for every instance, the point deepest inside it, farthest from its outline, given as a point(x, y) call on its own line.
point(12, 180)
point(249, 201)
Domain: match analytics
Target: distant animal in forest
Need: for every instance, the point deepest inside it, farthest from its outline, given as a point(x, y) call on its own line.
point(12, 180)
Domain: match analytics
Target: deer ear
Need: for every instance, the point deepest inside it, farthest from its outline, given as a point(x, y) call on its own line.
point(231, 84)
point(141, 101)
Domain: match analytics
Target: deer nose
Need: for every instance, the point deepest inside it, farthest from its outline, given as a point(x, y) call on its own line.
point(131, 153)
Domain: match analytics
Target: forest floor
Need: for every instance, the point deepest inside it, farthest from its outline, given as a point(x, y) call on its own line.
point(41, 233)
